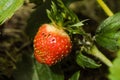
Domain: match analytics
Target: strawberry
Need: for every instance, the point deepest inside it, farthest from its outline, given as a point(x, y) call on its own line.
point(51, 44)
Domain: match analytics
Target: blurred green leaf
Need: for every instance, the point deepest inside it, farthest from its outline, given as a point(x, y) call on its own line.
point(24, 70)
point(108, 33)
point(28, 69)
point(8, 7)
point(75, 76)
point(45, 72)
point(38, 17)
point(77, 24)
point(86, 62)
point(115, 69)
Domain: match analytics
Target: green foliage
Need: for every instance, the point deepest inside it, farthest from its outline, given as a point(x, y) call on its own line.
point(38, 17)
point(108, 33)
point(7, 8)
point(86, 62)
point(115, 69)
point(61, 15)
point(75, 76)
point(28, 69)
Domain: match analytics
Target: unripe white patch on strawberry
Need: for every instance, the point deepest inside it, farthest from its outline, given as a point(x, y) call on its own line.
point(51, 28)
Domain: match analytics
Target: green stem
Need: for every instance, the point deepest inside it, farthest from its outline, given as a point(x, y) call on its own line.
point(95, 52)
point(105, 7)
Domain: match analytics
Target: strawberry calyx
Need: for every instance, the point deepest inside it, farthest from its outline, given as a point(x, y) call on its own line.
point(62, 17)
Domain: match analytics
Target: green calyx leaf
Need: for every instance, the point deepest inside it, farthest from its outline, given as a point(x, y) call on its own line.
point(59, 13)
point(108, 33)
point(75, 76)
point(8, 7)
point(86, 62)
point(115, 69)
point(64, 17)
point(77, 24)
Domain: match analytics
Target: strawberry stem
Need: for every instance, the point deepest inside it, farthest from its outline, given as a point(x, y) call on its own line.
point(95, 52)
point(105, 7)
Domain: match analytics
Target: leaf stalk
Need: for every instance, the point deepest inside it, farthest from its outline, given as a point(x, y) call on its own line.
point(95, 52)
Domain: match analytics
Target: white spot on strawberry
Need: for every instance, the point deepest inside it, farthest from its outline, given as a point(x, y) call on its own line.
point(53, 40)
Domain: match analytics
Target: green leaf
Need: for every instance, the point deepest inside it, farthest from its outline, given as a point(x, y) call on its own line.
point(75, 76)
point(86, 62)
point(45, 72)
point(24, 70)
point(115, 69)
point(110, 24)
point(77, 24)
point(60, 14)
point(8, 7)
point(29, 69)
point(108, 33)
point(37, 18)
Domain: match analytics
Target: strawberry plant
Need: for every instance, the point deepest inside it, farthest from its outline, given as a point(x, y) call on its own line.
point(60, 46)
point(61, 18)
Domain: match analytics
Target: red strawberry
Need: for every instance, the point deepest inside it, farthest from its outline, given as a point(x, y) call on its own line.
point(51, 44)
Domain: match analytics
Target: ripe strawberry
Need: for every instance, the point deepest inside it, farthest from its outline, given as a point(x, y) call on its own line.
point(51, 44)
